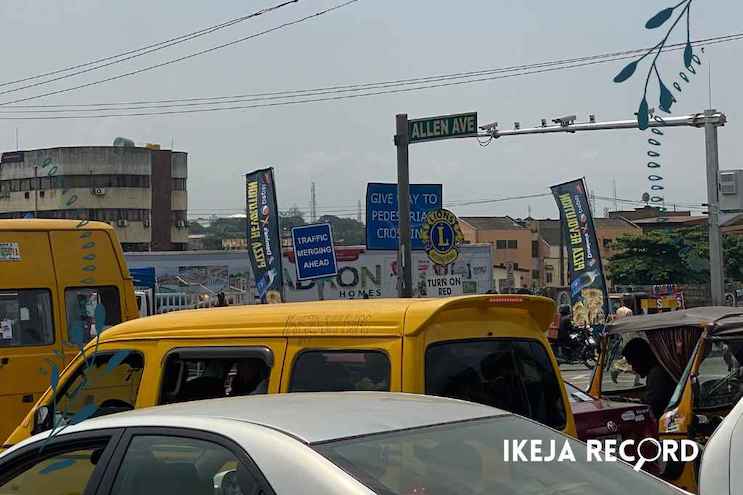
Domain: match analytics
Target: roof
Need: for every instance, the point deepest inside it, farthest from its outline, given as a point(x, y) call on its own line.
point(616, 223)
point(492, 223)
point(671, 219)
point(721, 317)
point(367, 317)
point(315, 417)
point(46, 224)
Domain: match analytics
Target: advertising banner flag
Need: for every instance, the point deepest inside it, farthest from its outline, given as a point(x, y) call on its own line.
point(263, 235)
point(588, 294)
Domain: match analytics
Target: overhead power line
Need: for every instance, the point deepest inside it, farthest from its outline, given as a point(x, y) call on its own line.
point(138, 52)
point(185, 57)
point(372, 89)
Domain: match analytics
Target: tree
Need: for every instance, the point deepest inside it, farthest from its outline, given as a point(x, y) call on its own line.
point(289, 219)
point(671, 257)
point(346, 231)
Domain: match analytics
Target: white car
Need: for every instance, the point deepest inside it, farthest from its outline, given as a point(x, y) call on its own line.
point(308, 443)
point(721, 471)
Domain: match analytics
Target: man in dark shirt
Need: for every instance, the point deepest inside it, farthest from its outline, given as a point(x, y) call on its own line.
point(659, 384)
point(564, 331)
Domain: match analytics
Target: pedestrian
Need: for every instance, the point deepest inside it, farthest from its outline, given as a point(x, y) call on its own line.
point(623, 311)
point(221, 299)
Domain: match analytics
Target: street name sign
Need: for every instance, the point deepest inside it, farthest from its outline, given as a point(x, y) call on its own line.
point(314, 251)
point(442, 127)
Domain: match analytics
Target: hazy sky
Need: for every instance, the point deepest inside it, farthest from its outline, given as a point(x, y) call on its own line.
point(345, 144)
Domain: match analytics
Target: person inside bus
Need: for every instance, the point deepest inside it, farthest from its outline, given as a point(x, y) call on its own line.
point(251, 378)
point(659, 384)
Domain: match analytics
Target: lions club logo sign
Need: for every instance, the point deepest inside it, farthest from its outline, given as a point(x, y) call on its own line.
point(442, 236)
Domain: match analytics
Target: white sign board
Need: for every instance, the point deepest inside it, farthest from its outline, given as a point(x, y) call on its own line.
point(444, 285)
point(10, 251)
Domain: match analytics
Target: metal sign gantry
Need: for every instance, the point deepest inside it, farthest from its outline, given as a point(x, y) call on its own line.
point(710, 120)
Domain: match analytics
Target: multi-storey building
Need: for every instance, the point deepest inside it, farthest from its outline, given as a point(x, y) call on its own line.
point(140, 191)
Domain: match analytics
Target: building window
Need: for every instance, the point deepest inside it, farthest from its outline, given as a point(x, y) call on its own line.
point(512, 244)
point(515, 266)
point(179, 184)
point(607, 243)
point(535, 249)
point(548, 277)
point(535, 275)
point(26, 195)
point(500, 244)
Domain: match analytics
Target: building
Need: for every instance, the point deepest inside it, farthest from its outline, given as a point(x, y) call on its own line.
point(140, 191)
point(550, 232)
point(528, 251)
point(512, 246)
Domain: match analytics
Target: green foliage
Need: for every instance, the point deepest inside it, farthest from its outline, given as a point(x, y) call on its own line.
point(346, 231)
point(671, 257)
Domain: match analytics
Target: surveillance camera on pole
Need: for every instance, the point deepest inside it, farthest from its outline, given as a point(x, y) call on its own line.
point(565, 121)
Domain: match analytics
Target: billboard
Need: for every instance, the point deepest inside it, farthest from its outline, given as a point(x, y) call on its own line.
point(382, 223)
point(588, 294)
point(373, 274)
point(263, 235)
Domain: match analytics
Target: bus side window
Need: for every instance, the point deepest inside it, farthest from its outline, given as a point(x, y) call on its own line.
point(90, 310)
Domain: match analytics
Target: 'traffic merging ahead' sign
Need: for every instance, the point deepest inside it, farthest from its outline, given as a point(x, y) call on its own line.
point(442, 127)
point(314, 252)
point(382, 221)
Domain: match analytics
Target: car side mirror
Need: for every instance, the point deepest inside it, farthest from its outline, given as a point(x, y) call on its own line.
point(225, 482)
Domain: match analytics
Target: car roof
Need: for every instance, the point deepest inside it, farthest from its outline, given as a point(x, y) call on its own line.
point(365, 317)
point(309, 417)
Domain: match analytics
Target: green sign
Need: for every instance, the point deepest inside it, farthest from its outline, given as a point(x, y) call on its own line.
point(442, 127)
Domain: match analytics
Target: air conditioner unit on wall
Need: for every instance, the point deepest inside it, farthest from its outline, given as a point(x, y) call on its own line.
point(99, 191)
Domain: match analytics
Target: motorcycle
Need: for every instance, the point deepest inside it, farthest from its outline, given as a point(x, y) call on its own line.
point(581, 348)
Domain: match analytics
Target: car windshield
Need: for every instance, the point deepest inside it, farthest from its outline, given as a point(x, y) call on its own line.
point(720, 375)
point(468, 457)
point(617, 374)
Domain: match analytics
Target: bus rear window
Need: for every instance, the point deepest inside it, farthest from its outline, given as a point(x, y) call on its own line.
point(26, 318)
point(511, 374)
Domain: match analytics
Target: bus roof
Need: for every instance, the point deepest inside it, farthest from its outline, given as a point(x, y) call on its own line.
point(365, 317)
point(37, 224)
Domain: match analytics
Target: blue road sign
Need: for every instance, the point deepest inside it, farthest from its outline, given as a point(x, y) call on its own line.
point(382, 223)
point(314, 251)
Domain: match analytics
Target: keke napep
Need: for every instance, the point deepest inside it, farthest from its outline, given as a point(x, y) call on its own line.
point(489, 349)
point(701, 349)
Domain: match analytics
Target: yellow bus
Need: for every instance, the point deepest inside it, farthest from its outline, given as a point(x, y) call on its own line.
point(62, 282)
point(490, 349)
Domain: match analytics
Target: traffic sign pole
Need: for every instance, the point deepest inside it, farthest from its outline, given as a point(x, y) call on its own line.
point(404, 256)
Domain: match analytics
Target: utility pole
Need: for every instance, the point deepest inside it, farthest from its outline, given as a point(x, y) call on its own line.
point(715, 242)
point(313, 204)
point(358, 211)
point(709, 119)
point(404, 255)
